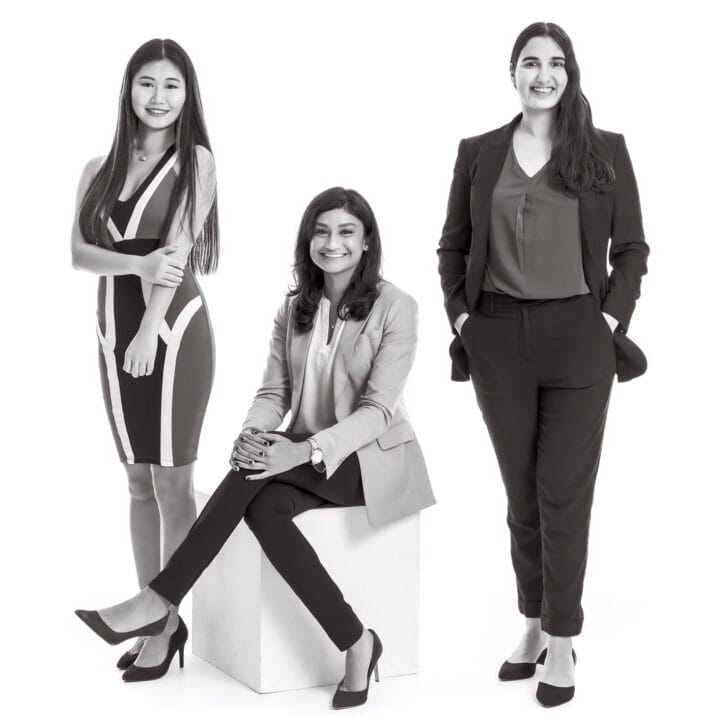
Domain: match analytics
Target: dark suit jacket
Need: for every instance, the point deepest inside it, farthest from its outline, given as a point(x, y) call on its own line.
point(615, 214)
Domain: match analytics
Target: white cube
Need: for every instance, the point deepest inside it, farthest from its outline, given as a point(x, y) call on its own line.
point(247, 621)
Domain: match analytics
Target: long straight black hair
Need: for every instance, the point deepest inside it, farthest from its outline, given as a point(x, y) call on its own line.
point(361, 293)
point(190, 130)
point(580, 159)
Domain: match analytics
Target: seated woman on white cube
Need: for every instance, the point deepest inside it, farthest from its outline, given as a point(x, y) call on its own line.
point(342, 346)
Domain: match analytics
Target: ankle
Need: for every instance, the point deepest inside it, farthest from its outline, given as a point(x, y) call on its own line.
point(363, 644)
point(560, 645)
point(156, 600)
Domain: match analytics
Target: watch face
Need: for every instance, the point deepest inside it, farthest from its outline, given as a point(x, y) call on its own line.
point(316, 457)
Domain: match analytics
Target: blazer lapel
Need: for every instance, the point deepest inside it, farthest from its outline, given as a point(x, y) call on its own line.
point(297, 355)
point(490, 159)
point(344, 354)
point(587, 214)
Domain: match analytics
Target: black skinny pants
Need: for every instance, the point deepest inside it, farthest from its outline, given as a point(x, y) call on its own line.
point(542, 371)
point(269, 507)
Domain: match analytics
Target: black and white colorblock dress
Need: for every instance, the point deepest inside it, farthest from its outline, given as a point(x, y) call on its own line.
point(155, 419)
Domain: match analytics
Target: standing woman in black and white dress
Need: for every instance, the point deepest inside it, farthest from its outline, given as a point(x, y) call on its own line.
point(146, 222)
point(541, 326)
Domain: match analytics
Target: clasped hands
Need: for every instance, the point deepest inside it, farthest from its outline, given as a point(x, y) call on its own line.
point(268, 453)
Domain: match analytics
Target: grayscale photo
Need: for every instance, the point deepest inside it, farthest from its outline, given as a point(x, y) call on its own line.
point(364, 358)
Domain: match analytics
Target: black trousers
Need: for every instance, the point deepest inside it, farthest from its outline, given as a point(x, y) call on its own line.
point(542, 371)
point(269, 507)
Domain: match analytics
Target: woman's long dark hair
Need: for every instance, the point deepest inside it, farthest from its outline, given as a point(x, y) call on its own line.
point(580, 159)
point(190, 130)
point(361, 293)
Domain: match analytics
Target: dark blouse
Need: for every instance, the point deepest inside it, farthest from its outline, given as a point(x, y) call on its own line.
point(535, 237)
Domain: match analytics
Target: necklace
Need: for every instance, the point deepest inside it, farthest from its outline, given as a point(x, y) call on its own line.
point(143, 156)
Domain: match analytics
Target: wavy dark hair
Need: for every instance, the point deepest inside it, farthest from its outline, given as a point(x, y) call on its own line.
point(361, 293)
point(190, 130)
point(580, 158)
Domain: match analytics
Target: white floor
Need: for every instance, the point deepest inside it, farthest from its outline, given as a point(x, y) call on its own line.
point(620, 678)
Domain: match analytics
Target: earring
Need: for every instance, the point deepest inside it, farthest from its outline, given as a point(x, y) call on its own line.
point(365, 246)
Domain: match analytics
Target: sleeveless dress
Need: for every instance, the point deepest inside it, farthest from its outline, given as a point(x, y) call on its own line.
point(155, 419)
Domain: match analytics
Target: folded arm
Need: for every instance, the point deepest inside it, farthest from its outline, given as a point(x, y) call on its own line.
point(141, 352)
point(157, 267)
point(89, 256)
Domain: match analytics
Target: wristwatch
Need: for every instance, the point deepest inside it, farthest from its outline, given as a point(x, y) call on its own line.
point(316, 455)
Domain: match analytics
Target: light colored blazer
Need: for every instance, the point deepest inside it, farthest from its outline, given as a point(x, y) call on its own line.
point(370, 368)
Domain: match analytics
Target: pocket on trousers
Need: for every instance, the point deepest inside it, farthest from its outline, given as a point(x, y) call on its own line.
point(465, 326)
point(602, 320)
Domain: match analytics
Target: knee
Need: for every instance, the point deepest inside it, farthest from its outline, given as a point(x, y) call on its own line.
point(266, 510)
point(172, 491)
point(141, 489)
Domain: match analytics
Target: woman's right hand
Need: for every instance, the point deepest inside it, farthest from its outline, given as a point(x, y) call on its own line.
point(248, 449)
point(160, 268)
point(461, 318)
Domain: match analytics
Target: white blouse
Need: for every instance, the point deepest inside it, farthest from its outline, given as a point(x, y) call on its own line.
point(317, 410)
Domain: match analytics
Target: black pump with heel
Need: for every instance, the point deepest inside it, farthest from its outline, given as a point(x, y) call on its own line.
point(176, 644)
point(551, 696)
point(126, 659)
point(100, 627)
point(343, 699)
point(511, 671)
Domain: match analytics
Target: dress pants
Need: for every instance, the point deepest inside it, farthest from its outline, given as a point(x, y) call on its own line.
point(268, 507)
point(542, 372)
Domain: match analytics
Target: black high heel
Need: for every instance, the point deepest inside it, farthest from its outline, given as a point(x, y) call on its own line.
point(127, 659)
point(343, 699)
point(100, 627)
point(552, 696)
point(510, 671)
point(145, 673)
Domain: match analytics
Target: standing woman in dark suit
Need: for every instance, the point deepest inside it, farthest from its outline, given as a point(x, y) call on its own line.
point(540, 326)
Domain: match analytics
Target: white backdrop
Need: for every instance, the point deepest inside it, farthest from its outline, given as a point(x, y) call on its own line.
point(299, 97)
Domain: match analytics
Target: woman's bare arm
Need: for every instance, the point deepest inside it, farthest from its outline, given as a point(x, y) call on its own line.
point(140, 355)
point(157, 267)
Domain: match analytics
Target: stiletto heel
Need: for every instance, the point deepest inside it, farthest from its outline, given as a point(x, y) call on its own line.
point(102, 629)
point(176, 644)
point(343, 699)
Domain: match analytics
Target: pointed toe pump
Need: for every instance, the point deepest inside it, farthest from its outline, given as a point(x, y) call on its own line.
point(343, 699)
point(177, 641)
point(552, 696)
point(126, 659)
point(100, 627)
point(511, 670)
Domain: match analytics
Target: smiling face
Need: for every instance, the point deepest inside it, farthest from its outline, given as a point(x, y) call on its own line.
point(158, 93)
point(540, 76)
point(338, 243)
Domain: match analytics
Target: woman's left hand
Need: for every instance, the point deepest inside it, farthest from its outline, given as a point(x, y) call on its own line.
point(280, 455)
point(141, 353)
